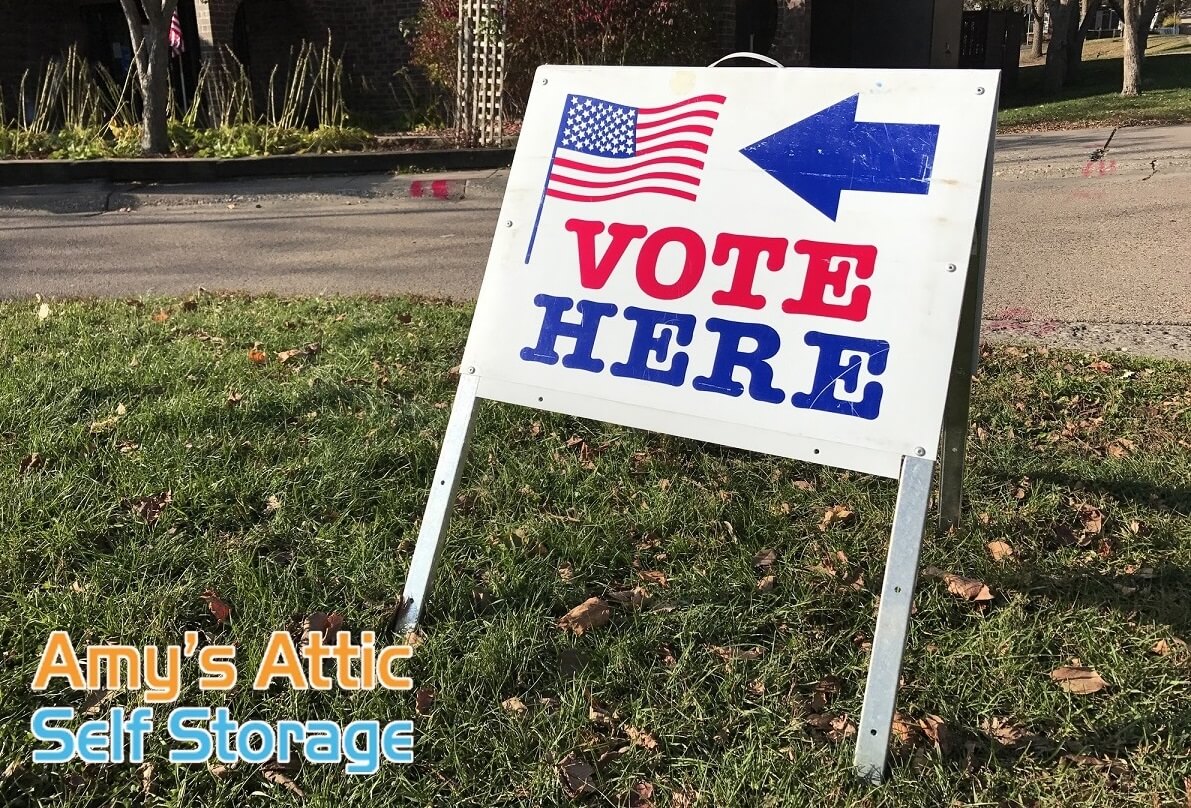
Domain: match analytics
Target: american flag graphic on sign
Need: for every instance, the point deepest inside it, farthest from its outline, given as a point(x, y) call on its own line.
point(606, 150)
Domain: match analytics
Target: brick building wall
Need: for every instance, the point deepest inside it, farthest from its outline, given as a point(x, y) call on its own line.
point(31, 33)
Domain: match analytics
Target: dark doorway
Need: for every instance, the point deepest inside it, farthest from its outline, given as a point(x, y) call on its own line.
point(756, 25)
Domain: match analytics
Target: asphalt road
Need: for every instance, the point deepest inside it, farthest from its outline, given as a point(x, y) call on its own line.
point(1087, 253)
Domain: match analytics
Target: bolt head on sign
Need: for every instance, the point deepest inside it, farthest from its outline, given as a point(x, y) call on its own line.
point(756, 257)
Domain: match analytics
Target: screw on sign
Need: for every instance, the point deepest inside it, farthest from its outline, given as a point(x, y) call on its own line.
point(774, 260)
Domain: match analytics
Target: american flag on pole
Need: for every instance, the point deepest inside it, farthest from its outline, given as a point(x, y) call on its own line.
point(606, 150)
point(177, 44)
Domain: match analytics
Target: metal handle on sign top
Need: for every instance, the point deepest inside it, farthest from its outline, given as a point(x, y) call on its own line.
point(746, 55)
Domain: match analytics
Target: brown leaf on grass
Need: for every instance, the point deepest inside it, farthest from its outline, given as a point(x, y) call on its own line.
point(731, 654)
point(666, 656)
point(190, 304)
point(904, 729)
point(803, 485)
point(104, 425)
point(149, 508)
point(826, 689)
point(767, 583)
point(591, 613)
point(95, 700)
point(1000, 551)
point(216, 605)
point(276, 774)
point(1008, 733)
point(513, 705)
point(1092, 518)
point(31, 463)
point(836, 727)
point(424, 700)
point(578, 777)
point(599, 714)
point(684, 798)
point(256, 356)
point(328, 625)
point(764, 559)
point(43, 312)
point(640, 737)
point(147, 779)
point(654, 577)
point(161, 315)
point(1119, 448)
point(219, 770)
point(1100, 366)
point(938, 732)
point(968, 588)
point(1172, 647)
point(234, 398)
point(1078, 679)
point(566, 572)
point(836, 514)
point(631, 599)
point(641, 796)
point(308, 349)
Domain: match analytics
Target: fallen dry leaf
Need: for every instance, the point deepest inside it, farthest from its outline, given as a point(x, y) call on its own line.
point(30, 463)
point(803, 485)
point(1008, 733)
point(633, 598)
point(578, 778)
point(217, 605)
point(423, 700)
point(654, 577)
point(730, 654)
point(640, 737)
point(161, 315)
point(1000, 551)
point(95, 700)
point(281, 778)
point(43, 312)
point(641, 796)
point(764, 559)
point(234, 398)
point(905, 730)
point(1168, 647)
point(1078, 679)
point(767, 583)
point(566, 572)
point(513, 705)
point(938, 732)
point(256, 356)
point(1092, 518)
point(147, 779)
point(591, 613)
point(968, 588)
point(834, 515)
point(149, 508)
point(322, 623)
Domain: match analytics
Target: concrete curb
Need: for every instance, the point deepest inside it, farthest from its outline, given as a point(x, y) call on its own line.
point(202, 169)
point(103, 197)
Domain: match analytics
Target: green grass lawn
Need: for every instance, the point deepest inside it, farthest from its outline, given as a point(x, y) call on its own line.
point(297, 487)
point(1094, 98)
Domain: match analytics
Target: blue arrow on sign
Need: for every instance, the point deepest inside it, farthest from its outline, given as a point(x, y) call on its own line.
point(830, 152)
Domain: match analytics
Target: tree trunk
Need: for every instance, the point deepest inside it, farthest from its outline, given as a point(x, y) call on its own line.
point(1037, 9)
point(150, 44)
point(1131, 19)
point(1055, 73)
point(155, 88)
point(1088, 9)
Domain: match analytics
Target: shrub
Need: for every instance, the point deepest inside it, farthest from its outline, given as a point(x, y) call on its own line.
point(600, 32)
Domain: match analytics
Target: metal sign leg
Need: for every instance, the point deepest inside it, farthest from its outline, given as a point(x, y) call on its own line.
point(959, 397)
point(897, 595)
point(438, 506)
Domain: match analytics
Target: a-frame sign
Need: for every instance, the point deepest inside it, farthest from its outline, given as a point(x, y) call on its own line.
point(788, 261)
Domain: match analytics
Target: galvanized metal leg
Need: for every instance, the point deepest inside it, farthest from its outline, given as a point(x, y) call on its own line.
point(897, 595)
point(438, 507)
point(963, 365)
point(955, 412)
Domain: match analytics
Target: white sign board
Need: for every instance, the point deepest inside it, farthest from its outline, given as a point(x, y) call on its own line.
point(768, 259)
